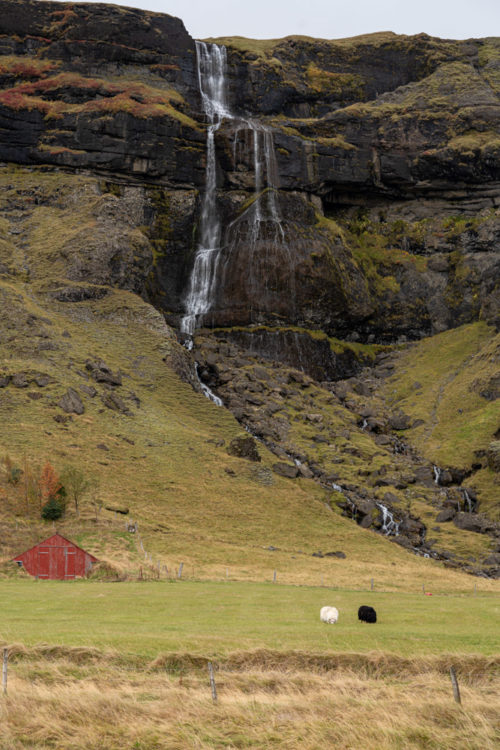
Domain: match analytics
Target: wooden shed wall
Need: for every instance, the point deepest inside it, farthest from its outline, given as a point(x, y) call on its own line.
point(56, 558)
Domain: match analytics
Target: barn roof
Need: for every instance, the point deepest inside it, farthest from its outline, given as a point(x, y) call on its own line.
point(51, 542)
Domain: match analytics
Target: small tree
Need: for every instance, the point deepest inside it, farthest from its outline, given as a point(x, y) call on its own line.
point(76, 484)
point(49, 483)
point(53, 509)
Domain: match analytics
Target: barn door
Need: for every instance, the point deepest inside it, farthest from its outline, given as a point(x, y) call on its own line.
point(43, 562)
point(70, 562)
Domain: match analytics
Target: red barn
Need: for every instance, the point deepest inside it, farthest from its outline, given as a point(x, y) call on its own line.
point(56, 558)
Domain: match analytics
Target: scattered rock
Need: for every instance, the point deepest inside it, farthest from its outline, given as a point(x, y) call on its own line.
point(89, 390)
point(61, 419)
point(493, 456)
point(102, 447)
point(101, 373)
point(35, 395)
point(115, 403)
point(71, 402)
point(448, 514)
point(290, 471)
point(5, 380)
point(116, 509)
point(399, 421)
point(340, 555)
point(19, 380)
point(473, 522)
point(493, 559)
point(244, 446)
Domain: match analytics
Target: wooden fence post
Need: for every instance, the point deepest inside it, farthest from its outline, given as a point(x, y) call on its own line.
point(212, 682)
point(371, 584)
point(454, 682)
point(274, 577)
point(4, 670)
point(179, 574)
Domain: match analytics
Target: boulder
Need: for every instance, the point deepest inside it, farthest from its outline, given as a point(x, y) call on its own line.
point(447, 514)
point(290, 471)
point(101, 373)
point(115, 403)
point(493, 559)
point(4, 380)
point(19, 380)
point(399, 421)
point(473, 522)
point(493, 456)
point(89, 390)
point(71, 402)
point(244, 446)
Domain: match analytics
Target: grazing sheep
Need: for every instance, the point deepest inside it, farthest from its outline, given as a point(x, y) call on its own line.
point(367, 614)
point(329, 615)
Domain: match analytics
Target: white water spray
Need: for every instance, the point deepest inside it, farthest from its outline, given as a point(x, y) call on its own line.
point(205, 389)
point(211, 61)
point(261, 220)
point(389, 525)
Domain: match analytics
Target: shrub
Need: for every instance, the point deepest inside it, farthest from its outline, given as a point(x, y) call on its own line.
point(52, 510)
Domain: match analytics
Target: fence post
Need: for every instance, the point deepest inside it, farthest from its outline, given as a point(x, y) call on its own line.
point(179, 574)
point(4, 670)
point(212, 682)
point(371, 584)
point(454, 682)
point(274, 577)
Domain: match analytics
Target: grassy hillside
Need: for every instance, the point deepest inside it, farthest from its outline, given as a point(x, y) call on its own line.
point(445, 384)
point(154, 445)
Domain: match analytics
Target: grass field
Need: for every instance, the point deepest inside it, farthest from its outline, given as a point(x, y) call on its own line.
point(130, 672)
point(214, 619)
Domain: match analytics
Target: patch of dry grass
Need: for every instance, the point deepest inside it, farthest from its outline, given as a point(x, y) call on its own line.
point(103, 706)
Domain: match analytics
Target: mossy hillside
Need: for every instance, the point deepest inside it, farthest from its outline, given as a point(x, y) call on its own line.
point(439, 382)
point(57, 225)
point(173, 477)
point(305, 421)
point(74, 94)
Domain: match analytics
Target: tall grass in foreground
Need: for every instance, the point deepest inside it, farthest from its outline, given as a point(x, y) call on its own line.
point(62, 703)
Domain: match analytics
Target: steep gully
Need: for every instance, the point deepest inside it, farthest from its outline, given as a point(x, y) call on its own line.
point(216, 243)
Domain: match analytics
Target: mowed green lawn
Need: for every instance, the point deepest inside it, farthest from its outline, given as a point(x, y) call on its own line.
point(217, 618)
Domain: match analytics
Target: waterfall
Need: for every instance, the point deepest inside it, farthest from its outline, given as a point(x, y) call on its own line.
point(261, 221)
point(389, 525)
point(211, 63)
point(437, 474)
point(205, 389)
point(466, 498)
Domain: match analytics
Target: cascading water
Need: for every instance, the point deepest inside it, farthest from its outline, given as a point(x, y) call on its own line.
point(261, 221)
point(389, 525)
point(437, 474)
point(467, 499)
point(211, 61)
point(207, 392)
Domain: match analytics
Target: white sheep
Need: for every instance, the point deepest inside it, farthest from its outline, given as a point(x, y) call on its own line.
point(329, 615)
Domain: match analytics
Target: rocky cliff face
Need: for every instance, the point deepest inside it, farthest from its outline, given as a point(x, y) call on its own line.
point(357, 187)
point(387, 153)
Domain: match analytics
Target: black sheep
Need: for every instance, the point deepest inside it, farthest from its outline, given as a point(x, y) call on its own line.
point(367, 614)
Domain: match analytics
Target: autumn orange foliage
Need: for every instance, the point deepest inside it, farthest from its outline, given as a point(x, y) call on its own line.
point(49, 483)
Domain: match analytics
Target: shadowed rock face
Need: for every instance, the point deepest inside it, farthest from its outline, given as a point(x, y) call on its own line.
point(386, 154)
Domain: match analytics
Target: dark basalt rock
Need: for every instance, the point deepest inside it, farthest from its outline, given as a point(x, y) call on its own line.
point(474, 522)
point(244, 447)
point(71, 402)
point(290, 471)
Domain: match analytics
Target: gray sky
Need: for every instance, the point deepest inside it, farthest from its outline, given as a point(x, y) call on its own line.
point(330, 19)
